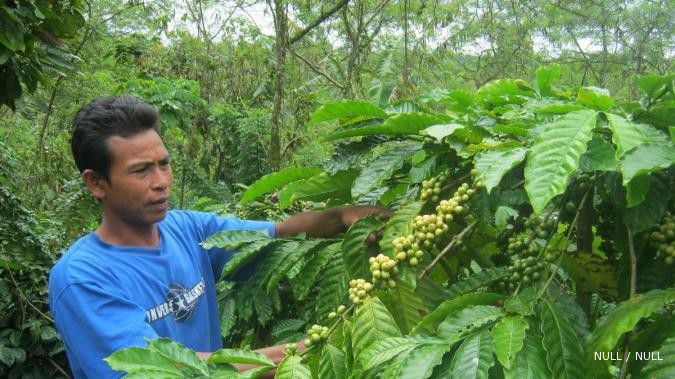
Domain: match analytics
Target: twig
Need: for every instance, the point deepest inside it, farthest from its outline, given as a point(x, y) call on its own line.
point(633, 280)
point(23, 296)
point(452, 244)
point(59, 368)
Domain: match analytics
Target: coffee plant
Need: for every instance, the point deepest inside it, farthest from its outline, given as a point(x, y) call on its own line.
point(532, 237)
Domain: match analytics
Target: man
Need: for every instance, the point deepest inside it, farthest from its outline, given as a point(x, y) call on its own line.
point(142, 274)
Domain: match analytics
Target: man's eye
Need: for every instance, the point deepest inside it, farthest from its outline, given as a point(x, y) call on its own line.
point(142, 169)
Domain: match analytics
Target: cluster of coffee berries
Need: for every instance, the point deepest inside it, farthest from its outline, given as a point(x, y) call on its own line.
point(384, 271)
point(340, 310)
point(407, 248)
point(291, 349)
point(523, 244)
point(316, 334)
point(431, 188)
point(358, 290)
point(523, 272)
point(663, 239)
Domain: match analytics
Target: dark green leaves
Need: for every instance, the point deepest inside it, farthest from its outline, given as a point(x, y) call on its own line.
point(508, 335)
point(372, 323)
point(381, 168)
point(564, 352)
point(275, 181)
point(346, 110)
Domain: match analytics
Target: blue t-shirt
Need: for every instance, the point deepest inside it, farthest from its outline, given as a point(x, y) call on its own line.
point(105, 297)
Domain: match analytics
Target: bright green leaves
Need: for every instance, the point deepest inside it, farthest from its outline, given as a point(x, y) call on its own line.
point(593, 97)
point(354, 246)
point(646, 159)
point(372, 323)
point(564, 352)
point(627, 135)
point(275, 181)
point(347, 111)
point(449, 307)
point(291, 367)
point(381, 168)
point(504, 91)
point(530, 362)
point(319, 187)
point(163, 358)
point(555, 155)
point(654, 85)
point(492, 165)
point(473, 359)
point(398, 124)
point(508, 335)
point(624, 318)
point(332, 363)
point(240, 356)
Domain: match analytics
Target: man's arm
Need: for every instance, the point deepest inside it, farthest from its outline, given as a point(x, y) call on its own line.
point(329, 222)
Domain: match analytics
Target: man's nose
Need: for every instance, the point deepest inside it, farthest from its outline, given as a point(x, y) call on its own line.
point(161, 179)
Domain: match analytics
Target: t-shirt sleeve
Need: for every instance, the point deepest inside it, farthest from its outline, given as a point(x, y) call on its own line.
point(95, 322)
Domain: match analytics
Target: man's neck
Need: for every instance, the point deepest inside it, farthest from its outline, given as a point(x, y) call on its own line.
point(123, 234)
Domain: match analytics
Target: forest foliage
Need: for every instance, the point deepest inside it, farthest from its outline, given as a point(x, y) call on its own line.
point(526, 149)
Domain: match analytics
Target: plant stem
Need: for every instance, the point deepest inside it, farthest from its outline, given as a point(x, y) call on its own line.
point(452, 244)
point(633, 280)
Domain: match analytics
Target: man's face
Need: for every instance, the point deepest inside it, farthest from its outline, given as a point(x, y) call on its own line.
point(140, 179)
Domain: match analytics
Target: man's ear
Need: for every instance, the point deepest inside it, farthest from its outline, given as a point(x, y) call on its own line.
point(95, 182)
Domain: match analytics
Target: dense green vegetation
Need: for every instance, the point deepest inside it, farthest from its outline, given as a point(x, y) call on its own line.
point(526, 149)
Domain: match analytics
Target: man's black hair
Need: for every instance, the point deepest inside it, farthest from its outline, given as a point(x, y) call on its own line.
point(103, 118)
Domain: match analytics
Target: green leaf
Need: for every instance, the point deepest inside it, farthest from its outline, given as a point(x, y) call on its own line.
point(332, 364)
point(389, 348)
point(475, 281)
point(665, 367)
point(403, 302)
point(599, 157)
point(646, 159)
point(244, 255)
point(555, 107)
point(623, 319)
point(303, 282)
point(502, 215)
point(296, 252)
point(636, 190)
point(399, 225)
point(473, 359)
point(240, 356)
point(441, 131)
point(652, 85)
point(648, 213)
point(492, 165)
point(530, 362)
point(628, 135)
point(135, 359)
point(291, 367)
point(332, 287)
point(320, 187)
point(555, 155)
point(231, 239)
point(546, 76)
point(178, 354)
point(372, 323)
point(12, 32)
point(420, 363)
point(354, 252)
point(449, 307)
point(504, 91)
point(381, 168)
point(228, 317)
point(508, 335)
point(400, 124)
point(591, 273)
point(564, 352)
point(6, 355)
point(594, 97)
point(275, 181)
point(468, 318)
point(251, 373)
point(346, 110)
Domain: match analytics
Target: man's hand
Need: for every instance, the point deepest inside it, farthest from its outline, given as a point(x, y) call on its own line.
point(353, 213)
